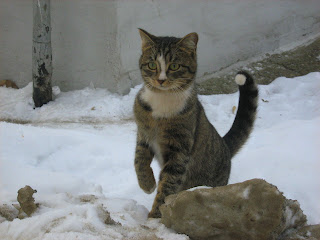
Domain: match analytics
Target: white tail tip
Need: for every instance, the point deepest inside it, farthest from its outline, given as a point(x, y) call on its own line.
point(240, 79)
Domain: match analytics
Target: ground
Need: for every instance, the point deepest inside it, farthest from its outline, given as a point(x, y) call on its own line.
point(295, 62)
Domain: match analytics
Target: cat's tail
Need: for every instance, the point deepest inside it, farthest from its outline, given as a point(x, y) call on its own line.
point(246, 114)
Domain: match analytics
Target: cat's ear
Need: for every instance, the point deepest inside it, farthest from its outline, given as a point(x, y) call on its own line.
point(146, 38)
point(189, 41)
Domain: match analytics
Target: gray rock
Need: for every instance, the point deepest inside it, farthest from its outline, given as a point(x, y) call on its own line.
point(311, 232)
point(249, 210)
point(26, 200)
point(8, 212)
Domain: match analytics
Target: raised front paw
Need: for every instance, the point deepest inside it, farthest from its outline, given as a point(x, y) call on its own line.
point(146, 181)
point(148, 186)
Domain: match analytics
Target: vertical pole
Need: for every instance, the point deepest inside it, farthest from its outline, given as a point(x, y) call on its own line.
point(41, 53)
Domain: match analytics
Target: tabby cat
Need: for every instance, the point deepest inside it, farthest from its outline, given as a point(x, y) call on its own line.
point(172, 125)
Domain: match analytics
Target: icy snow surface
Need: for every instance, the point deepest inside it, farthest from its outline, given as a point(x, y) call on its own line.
point(82, 143)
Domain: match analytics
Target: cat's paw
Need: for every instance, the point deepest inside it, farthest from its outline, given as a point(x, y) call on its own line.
point(146, 180)
point(148, 186)
point(154, 213)
point(150, 190)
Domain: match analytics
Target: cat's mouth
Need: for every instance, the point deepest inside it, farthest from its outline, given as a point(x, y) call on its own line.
point(165, 86)
point(161, 84)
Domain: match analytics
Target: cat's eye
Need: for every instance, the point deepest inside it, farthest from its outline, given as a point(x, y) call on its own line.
point(174, 66)
point(152, 65)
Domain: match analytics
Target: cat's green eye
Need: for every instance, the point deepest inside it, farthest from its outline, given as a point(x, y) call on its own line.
point(152, 65)
point(174, 66)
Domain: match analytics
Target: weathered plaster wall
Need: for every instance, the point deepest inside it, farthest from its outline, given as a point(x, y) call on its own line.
point(84, 43)
point(97, 42)
point(229, 30)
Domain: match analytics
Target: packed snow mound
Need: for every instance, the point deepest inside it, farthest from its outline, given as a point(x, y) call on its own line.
point(88, 105)
point(65, 216)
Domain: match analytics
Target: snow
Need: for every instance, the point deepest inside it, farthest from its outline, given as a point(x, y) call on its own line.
point(86, 106)
point(246, 192)
point(291, 216)
point(82, 145)
point(198, 187)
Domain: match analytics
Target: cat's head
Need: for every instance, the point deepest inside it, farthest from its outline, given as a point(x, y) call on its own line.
point(168, 63)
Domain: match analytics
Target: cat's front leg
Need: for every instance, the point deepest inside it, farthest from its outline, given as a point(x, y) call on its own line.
point(143, 159)
point(171, 180)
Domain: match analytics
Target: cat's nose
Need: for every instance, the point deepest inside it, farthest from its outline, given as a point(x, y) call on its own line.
point(160, 81)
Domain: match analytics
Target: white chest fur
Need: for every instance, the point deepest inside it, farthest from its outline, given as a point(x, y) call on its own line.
point(166, 104)
point(157, 152)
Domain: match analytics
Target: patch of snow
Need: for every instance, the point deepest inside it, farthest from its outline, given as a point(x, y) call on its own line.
point(246, 192)
point(70, 217)
point(81, 106)
point(56, 91)
point(289, 217)
point(199, 187)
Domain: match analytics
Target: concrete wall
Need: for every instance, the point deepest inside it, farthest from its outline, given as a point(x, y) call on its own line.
point(84, 43)
point(96, 41)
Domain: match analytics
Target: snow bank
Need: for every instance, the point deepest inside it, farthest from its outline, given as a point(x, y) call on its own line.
point(82, 106)
point(84, 217)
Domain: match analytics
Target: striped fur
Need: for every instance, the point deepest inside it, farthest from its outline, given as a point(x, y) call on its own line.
point(246, 114)
point(172, 125)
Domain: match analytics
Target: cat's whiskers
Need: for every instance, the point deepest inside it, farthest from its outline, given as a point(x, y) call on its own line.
point(178, 87)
